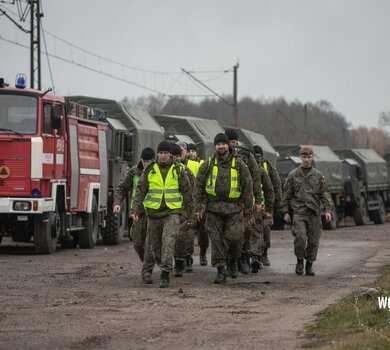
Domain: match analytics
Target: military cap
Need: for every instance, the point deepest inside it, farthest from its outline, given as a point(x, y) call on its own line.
point(257, 150)
point(182, 145)
point(164, 146)
point(192, 146)
point(176, 150)
point(147, 153)
point(221, 138)
point(306, 150)
point(231, 134)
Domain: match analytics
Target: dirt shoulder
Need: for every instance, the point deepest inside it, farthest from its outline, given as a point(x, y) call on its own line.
point(94, 299)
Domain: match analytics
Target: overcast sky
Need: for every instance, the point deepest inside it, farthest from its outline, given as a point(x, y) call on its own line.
point(334, 50)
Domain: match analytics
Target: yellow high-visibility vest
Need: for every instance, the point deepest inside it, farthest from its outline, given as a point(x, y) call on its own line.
point(135, 184)
point(235, 191)
point(158, 188)
point(265, 166)
point(193, 166)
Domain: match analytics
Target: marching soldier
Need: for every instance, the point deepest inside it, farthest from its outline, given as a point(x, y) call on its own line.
point(304, 192)
point(275, 179)
point(223, 188)
point(163, 189)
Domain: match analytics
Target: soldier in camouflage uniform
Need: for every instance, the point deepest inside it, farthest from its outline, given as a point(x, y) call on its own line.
point(223, 188)
point(245, 153)
point(163, 190)
point(130, 182)
point(203, 238)
point(184, 246)
point(257, 234)
point(275, 179)
point(304, 192)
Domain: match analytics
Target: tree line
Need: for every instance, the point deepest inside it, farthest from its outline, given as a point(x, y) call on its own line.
point(281, 122)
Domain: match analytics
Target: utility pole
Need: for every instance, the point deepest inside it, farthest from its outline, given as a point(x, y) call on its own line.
point(234, 103)
point(35, 44)
point(305, 131)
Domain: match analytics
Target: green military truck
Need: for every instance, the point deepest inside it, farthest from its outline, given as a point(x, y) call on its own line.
point(199, 131)
point(328, 163)
point(366, 186)
point(131, 129)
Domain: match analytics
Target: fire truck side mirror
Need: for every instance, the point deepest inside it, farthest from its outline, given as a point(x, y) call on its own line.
point(56, 117)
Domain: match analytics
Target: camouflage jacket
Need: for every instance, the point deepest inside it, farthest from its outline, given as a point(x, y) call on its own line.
point(244, 153)
point(221, 203)
point(268, 191)
point(126, 186)
point(275, 179)
point(306, 191)
point(163, 211)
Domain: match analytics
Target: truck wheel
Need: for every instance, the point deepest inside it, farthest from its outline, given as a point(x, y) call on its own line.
point(115, 226)
point(379, 215)
point(88, 237)
point(45, 237)
point(360, 213)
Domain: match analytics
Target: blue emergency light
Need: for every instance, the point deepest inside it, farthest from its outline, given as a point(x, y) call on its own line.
point(21, 80)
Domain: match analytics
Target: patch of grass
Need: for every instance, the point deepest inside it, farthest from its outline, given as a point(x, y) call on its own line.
point(356, 322)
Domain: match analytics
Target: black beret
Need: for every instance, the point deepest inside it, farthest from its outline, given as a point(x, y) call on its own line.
point(231, 134)
point(147, 153)
point(164, 146)
point(176, 150)
point(257, 150)
point(221, 138)
point(192, 146)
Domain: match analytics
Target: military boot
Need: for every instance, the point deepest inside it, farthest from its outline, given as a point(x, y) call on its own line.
point(243, 265)
point(299, 267)
point(308, 267)
point(179, 268)
point(147, 279)
point(189, 262)
point(256, 264)
point(264, 258)
point(220, 278)
point(202, 258)
point(164, 279)
point(233, 268)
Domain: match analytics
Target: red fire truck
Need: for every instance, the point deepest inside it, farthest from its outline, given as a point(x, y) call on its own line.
point(53, 169)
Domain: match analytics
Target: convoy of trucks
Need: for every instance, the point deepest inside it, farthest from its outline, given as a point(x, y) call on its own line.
point(61, 159)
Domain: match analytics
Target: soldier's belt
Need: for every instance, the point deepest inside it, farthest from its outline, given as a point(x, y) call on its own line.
point(221, 199)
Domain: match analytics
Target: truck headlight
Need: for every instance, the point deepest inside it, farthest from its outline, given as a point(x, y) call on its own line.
point(22, 206)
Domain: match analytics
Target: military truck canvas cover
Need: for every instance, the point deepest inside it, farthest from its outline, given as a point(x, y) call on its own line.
point(147, 132)
point(251, 139)
point(202, 131)
point(325, 160)
point(374, 167)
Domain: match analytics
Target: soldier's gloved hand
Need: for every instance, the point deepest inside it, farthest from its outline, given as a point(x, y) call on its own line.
point(287, 217)
point(199, 215)
point(328, 217)
point(116, 209)
point(268, 215)
point(134, 217)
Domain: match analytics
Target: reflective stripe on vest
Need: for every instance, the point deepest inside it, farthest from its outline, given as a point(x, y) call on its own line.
point(211, 181)
point(265, 166)
point(135, 184)
point(193, 166)
point(158, 189)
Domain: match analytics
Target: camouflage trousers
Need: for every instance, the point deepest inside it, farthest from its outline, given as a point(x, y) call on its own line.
point(138, 236)
point(226, 236)
point(268, 223)
point(256, 242)
point(203, 237)
point(160, 241)
point(307, 232)
point(185, 241)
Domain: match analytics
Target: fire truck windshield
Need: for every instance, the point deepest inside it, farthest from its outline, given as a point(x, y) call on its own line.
point(18, 114)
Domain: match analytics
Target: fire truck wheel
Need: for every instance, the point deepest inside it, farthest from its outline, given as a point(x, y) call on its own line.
point(45, 239)
point(88, 237)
